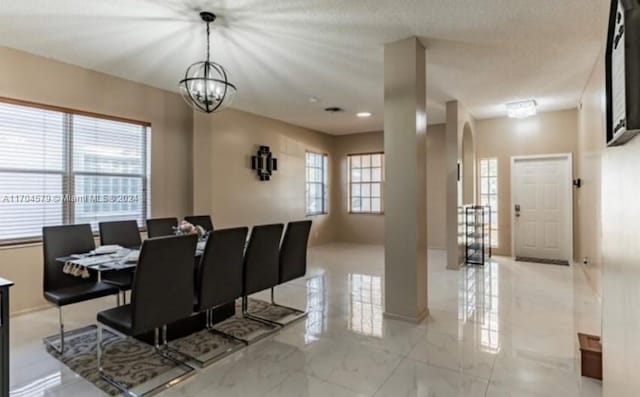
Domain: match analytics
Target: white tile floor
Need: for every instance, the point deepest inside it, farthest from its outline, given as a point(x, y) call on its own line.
point(508, 329)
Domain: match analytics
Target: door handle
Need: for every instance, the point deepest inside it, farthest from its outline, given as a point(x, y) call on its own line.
point(517, 208)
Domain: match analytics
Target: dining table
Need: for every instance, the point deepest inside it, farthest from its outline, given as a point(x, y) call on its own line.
point(122, 260)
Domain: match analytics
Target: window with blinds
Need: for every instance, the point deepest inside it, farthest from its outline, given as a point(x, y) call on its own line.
point(59, 167)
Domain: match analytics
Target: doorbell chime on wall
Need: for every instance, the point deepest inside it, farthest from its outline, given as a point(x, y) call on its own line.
point(264, 163)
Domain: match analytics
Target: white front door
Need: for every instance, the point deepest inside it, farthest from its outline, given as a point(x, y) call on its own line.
point(542, 207)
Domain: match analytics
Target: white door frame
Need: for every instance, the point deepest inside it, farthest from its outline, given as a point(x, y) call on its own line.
point(568, 195)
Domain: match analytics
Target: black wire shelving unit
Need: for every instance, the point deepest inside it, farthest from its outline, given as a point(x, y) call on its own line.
point(477, 232)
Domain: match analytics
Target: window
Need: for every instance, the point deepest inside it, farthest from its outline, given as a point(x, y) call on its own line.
point(489, 193)
point(316, 183)
point(60, 167)
point(366, 178)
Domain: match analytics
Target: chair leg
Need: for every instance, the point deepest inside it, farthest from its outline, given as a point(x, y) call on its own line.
point(107, 378)
point(61, 330)
point(209, 314)
point(99, 346)
point(118, 299)
point(273, 302)
point(246, 314)
point(234, 345)
point(228, 336)
point(60, 347)
point(163, 347)
point(299, 314)
point(123, 388)
point(156, 338)
point(58, 342)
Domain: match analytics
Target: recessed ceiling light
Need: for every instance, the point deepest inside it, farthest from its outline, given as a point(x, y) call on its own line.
point(363, 114)
point(314, 99)
point(522, 109)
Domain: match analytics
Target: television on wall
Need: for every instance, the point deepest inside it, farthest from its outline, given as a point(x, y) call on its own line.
point(623, 72)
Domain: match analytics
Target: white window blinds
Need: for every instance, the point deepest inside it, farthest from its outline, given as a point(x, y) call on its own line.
point(58, 167)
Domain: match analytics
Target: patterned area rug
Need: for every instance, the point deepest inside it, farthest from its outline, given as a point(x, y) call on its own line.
point(267, 310)
point(128, 360)
point(134, 363)
point(247, 329)
point(540, 260)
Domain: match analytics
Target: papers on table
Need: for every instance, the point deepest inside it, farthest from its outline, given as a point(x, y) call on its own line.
point(78, 265)
point(107, 249)
point(91, 260)
point(132, 257)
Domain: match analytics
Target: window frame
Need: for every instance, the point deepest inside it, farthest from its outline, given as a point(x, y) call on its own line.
point(324, 184)
point(68, 174)
point(350, 183)
point(495, 231)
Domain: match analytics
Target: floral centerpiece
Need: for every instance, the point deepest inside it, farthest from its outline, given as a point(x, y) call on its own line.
point(186, 228)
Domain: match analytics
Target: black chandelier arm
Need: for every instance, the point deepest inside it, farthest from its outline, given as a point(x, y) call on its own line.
point(194, 102)
point(224, 94)
point(226, 83)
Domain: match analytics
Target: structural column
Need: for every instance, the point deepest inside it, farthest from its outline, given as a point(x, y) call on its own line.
point(405, 131)
point(453, 196)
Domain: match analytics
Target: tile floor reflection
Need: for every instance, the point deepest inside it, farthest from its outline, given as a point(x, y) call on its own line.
point(506, 329)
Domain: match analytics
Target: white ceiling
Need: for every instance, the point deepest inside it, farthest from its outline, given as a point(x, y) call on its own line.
point(279, 53)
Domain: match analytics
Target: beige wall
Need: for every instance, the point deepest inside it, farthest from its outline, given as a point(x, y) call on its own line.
point(33, 78)
point(609, 219)
point(546, 133)
point(226, 187)
point(459, 121)
point(591, 141)
point(369, 229)
point(436, 187)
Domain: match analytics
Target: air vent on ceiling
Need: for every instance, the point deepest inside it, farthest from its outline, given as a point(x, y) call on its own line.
point(334, 109)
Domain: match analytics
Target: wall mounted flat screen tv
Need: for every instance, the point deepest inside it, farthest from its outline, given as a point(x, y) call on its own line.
point(623, 72)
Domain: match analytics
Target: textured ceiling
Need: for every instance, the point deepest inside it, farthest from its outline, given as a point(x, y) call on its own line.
point(281, 52)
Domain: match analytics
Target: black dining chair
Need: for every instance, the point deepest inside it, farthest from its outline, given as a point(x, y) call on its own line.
point(201, 220)
point(261, 265)
point(62, 289)
point(125, 234)
point(160, 227)
point(162, 293)
point(293, 262)
point(219, 281)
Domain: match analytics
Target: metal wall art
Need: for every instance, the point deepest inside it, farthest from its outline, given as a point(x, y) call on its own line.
point(264, 163)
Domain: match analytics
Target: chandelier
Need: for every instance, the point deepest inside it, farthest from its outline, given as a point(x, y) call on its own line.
point(205, 85)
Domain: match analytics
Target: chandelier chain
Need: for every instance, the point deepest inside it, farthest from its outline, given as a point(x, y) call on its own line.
point(208, 42)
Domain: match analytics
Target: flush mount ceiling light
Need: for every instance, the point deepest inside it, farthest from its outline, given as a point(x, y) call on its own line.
point(522, 109)
point(363, 115)
point(205, 85)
